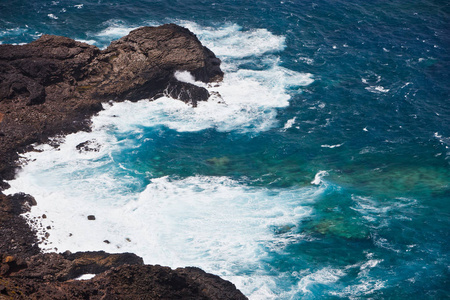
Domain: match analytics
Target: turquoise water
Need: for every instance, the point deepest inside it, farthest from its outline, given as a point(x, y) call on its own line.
point(326, 176)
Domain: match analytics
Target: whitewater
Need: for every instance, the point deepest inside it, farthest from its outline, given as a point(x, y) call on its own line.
point(318, 169)
point(214, 222)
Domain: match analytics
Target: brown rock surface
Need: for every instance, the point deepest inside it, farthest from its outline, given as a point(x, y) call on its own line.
point(53, 86)
point(119, 276)
point(15, 235)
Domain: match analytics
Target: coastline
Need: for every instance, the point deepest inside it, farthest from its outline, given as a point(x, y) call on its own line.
point(52, 87)
point(237, 185)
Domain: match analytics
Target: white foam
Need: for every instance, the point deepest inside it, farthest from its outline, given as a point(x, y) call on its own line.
point(52, 16)
point(250, 92)
point(90, 42)
point(231, 41)
point(186, 76)
point(182, 117)
point(115, 31)
point(368, 206)
point(218, 224)
point(364, 289)
point(318, 178)
point(366, 284)
point(85, 277)
point(212, 222)
point(332, 146)
point(246, 103)
point(377, 89)
point(324, 276)
point(370, 264)
point(289, 123)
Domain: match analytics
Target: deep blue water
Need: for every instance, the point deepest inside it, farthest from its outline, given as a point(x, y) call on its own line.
point(376, 118)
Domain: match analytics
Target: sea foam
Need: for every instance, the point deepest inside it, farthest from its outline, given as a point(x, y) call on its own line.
point(247, 99)
point(214, 223)
point(221, 225)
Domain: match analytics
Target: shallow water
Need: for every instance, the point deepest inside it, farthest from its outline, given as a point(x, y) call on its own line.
point(324, 174)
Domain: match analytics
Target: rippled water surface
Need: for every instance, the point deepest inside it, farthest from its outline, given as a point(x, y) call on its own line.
point(322, 173)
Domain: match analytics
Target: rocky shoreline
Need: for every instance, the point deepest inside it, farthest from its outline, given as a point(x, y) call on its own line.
point(52, 87)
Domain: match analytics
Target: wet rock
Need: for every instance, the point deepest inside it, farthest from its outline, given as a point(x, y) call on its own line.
point(16, 236)
point(54, 84)
point(52, 87)
point(186, 92)
point(88, 146)
point(151, 55)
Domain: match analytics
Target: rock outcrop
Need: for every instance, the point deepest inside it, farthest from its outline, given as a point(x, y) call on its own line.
point(25, 273)
point(16, 238)
point(117, 276)
point(53, 86)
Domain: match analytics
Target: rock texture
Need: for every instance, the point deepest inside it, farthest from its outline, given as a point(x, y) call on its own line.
point(27, 274)
point(120, 276)
point(53, 86)
point(16, 238)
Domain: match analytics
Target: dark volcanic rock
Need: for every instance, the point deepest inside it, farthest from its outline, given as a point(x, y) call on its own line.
point(63, 267)
point(54, 84)
point(15, 234)
point(150, 56)
point(186, 92)
point(119, 276)
point(88, 146)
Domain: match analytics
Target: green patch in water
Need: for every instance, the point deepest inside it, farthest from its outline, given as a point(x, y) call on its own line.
point(340, 227)
point(219, 162)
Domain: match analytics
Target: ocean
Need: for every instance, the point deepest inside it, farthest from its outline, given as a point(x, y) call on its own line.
point(322, 172)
